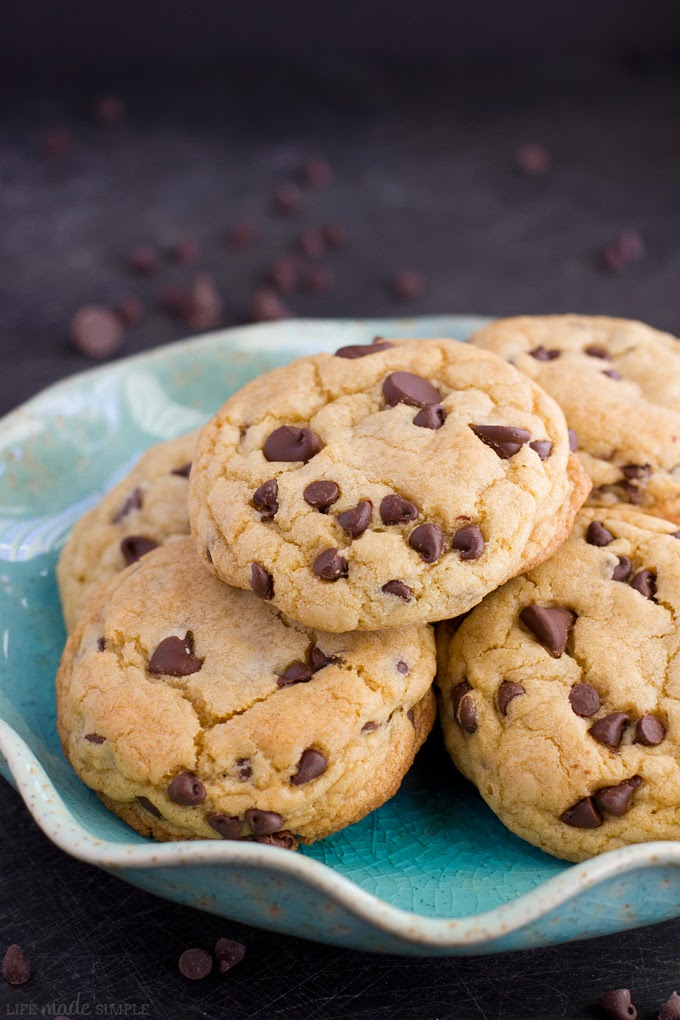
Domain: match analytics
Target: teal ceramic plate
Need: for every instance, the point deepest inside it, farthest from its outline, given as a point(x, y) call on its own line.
point(431, 872)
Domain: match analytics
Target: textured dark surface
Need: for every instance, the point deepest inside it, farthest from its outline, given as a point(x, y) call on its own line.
point(424, 178)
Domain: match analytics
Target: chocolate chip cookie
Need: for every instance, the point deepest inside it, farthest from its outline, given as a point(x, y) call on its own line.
point(560, 693)
point(143, 511)
point(196, 710)
point(385, 485)
point(618, 383)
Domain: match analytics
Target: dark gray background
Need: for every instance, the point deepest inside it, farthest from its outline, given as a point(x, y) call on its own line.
point(423, 153)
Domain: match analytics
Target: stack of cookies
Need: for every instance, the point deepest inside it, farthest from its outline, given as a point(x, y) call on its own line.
point(251, 652)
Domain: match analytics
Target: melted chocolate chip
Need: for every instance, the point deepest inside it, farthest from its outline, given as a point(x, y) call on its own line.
point(597, 534)
point(145, 803)
point(637, 470)
point(549, 626)
point(463, 707)
point(507, 692)
point(297, 673)
point(362, 350)
point(649, 731)
point(134, 501)
point(186, 789)
point(406, 388)
point(312, 764)
point(432, 416)
point(597, 352)
point(543, 447)
point(320, 660)
point(228, 954)
point(16, 967)
point(289, 443)
point(95, 738)
point(183, 471)
point(584, 700)
point(195, 964)
point(583, 815)
point(284, 839)
point(133, 547)
point(263, 823)
point(398, 588)
point(428, 540)
point(609, 729)
point(321, 495)
point(504, 440)
point(397, 510)
point(357, 520)
point(261, 582)
point(645, 582)
point(543, 354)
point(616, 799)
point(330, 565)
point(228, 826)
point(265, 499)
point(622, 569)
point(617, 1004)
point(573, 440)
point(175, 657)
point(469, 541)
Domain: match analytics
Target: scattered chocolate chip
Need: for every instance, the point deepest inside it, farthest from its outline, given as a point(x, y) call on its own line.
point(583, 815)
point(261, 582)
point(645, 582)
point(95, 738)
point(134, 501)
point(573, 440)
point(637, 470)
point(504, 440)
point(203, 309)
point(174, 300)
point(312, 243)
point(285, 274)
point(287, 199)
point(584, 700)
point(16, 967)
point(432, 416)
point(408, 285)
point(290, 443)
point(133, 547)
point(284, 839)
point(671, 1010)
point(597, 352)
point(407, 388)
point(242, 234)
point(228, 826)
point(195, 964)
point(543, 447)
point(617, 1004)
point(186, 789)
point(616, 799)
point(244, 769)
point(622, 569)
point(312, 764)
point(370, 727)
point(362, 350)
point(398, 588)
point(612, 373)
point(428, 540)
point(267, 306)
point(469, 541)
point(184, 471)
point(228, 953)
point(627, 247)
point(96, 332)
point(649, 731)
point(532, 159)
point(335, 235)
point(402, 667)
point(101, 644)
point(297, 673)
point(397, 510)
point(130, 310)
point(549, 626)
point(356, 521)
point(263, 823)
point(330, 565)
point(320, 660)
point(186, 251)
point(543, 354)
point(265, 499)
point(58, 142)
point(507, 692)
point(109, 110)
point(321, 495)
point(318, 279)
point(609, 729)
point(145, 803)
point(317, 172)
point(175, 657)
point(143, 259)
point(597, 534)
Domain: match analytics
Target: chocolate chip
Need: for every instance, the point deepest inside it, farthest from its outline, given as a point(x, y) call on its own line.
point(637, 470)
point(674, 534)
point(632, 493)
point(186, 251)
point(457, 695)
point(532, 159)
point(597, 352)
point(228, 953)
point(244, 769)
point(617, 1004)
point(428, 540)
point(407, 388)
point(109, 110)
point(265, 499)
point(330, 565)
point(312, 764)
point(317, 172)
point(186, 789)
point(504, 440)
point(242, 234)
point(174, 300)
point(312, 243)
point(432, 416)
point(398, 588)
point(397, 510)
point(543, 354)
point(96, 332)
point(228, 826)
point(133, 547)
point(143, 259)
point(285, 839)
point(354, 351)
point(611, 373)
point(402, 668)
point(469, 541)
point(16, 967)
point(320, 660)
point(357, 520)
point(95, 738)
point(336, 235)
point(543, 447)
point(645, 582)
point(584, 700)
point(408, 285)
point(130, 310)
point(145, 803)
point(203, 308)
point(195, 964)
point(609, 729)
point(649, 731)
point(287, 199)
point(321, 495)
point(101, 644)
point(317, 279)
point(616, 799)
point(573, 440)
point(58, 142)
point(263, 823)
point(627, 247)
point(583, 815)
point(622, 570)
point(175, 657)
point(463, 707)
point(671, 1010)
point(285, 274)
point(289, 443)
point(297, 673)
point(369, 727)
point(549, 626)
point(267, 306)
point(507, 692)
point(597, 534)
point(134, 501)
point(411, 716)
point(261, 582)
point(184, 471)
point(208, 554)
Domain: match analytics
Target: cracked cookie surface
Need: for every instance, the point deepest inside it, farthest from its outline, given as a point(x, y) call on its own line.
point(618, 383)
point(385, 485)
point(560, 693)
point(145, 509)
point(196, 710)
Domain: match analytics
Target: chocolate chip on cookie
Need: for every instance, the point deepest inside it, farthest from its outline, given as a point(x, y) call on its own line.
point(402, 668)
point(543, 447)
point(584, 700)
point(356, 521)
point(504, 440)
point(133, 547)
point(320, 660)
point(321, 495)
point(398, 588)
point(354, 351)
point(612, 373)
point(95, 738)
point(616, 799)
point(637, 470)
point(582, 815)
point(622, 569)
point(550, 626)
point(544, 354)
point(428, 540)
point(228, 826)
point(329, 565)
point(407, 388)
point(397, 510)
point(289, 443)
point(184, 471)
point(469, 541)
point(146, 804)
point(297, 673)
point(597, 352)
point(573, 440)
point(609, 729)
point(263, 823)
point(370, 727)
point(312, 764)
point(134, 501)
point(261, 581)
point(175, 657)
point(244, 769)
point(645, 582)
point(507, 692)
point(265, 499)
point(432, 416)
point(186, 789)
point(649, 731)
point(463, 707)
point(597, 534)
point(285, 840)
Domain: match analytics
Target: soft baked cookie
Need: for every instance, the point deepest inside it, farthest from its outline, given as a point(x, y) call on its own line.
point(144, 510)
point(618, 383)
point(384, 485)
point(196, 710)
point(560, 693)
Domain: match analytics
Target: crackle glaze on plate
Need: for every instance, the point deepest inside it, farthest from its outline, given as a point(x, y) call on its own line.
point(431, 872)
